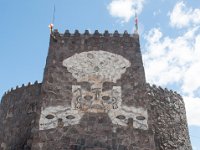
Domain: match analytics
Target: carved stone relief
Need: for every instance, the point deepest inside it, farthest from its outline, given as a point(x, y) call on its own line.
point(95, 68)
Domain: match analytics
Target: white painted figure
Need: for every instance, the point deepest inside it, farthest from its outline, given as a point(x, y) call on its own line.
point(95, 67)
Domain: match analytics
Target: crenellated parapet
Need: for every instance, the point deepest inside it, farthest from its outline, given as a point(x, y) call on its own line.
point(24, 94)
point(96, 33)
point(18, 89)
point(156, 90)
point(94, 41)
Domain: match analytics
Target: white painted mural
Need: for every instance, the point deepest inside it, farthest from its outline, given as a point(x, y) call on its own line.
point(52, 117)
point(95, 68)
point(96, 100)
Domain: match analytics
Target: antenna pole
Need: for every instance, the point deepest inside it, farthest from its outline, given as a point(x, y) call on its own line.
point(54, 10)
point(53, 19)
point(136, 22)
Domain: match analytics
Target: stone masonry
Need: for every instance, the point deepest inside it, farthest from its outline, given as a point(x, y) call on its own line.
point(93, 96)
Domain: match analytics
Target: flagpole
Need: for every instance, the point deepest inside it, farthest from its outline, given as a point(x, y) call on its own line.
point(136, 22)
point(51, 25)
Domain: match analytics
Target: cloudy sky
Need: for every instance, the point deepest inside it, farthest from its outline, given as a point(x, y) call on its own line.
point(169, 36)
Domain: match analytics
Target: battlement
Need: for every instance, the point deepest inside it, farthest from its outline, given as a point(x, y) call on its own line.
point(169, 97)
point(19, 89)
point(95, 41)
point(95, 34)
point(156, 88)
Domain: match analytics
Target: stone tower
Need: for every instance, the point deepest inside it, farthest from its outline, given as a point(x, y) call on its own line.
point(93, 97)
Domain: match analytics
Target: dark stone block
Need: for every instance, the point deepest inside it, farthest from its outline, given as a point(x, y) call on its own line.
point(66, 140)
point(75, 147)
point(73, 131)
point(81, 141)
point(122, 147)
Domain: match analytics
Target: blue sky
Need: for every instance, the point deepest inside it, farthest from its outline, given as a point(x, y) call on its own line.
point(169, 35)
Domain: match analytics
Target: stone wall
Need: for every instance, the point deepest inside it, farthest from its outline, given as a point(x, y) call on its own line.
point(166, 109)
point(169, 119)
point(93, 94)
point(63, 46)
point(17, 117)
point(93, 97)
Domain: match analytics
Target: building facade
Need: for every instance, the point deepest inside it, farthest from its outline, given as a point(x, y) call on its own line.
point(93, 96)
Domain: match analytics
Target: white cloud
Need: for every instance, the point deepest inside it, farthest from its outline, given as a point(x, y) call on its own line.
point(176, 61)
point(192, 105)
point(181, 16)
point(125, 9)
point(173, 60)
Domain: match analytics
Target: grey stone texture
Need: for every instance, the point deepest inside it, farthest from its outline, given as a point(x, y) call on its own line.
point(20, 109)
point(169, 119)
